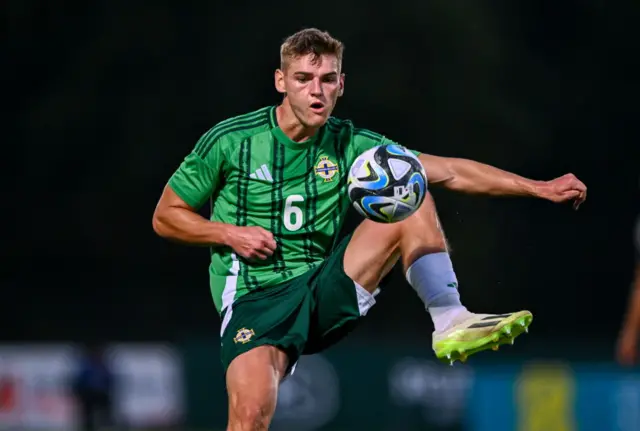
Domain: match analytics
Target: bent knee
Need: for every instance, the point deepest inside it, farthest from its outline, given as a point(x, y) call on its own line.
point(250, 415)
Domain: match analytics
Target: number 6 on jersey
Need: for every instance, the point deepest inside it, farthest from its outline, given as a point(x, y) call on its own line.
point(293, 217)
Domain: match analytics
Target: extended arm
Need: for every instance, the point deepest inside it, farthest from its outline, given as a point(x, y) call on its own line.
point(478, 178)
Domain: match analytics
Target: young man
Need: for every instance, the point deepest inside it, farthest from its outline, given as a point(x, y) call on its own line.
point(282, 285)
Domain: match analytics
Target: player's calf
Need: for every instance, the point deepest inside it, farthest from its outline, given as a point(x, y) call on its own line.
point(252, 384)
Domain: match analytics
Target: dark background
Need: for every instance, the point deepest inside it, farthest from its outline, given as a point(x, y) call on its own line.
point(104, 99)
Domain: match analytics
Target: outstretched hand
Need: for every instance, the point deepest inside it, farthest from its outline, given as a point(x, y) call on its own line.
point(566, 188)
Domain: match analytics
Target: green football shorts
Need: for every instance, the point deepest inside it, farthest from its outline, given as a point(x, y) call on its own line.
point(305, 315)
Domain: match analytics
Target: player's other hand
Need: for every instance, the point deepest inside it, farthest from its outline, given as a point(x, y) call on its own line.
point(627, 348)
point(566, 188)
point(251, 242)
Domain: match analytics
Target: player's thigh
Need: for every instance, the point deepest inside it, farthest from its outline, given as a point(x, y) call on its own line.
point(375, 247)
point(252, 385)
point(373, 250)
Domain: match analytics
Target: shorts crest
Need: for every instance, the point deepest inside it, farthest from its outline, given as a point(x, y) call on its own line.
point(243, 335)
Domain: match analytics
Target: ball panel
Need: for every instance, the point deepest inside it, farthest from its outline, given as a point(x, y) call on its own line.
point(397, 150)
point(377, 178)
point(403, 211)
point(378, 207)
point(399, 168)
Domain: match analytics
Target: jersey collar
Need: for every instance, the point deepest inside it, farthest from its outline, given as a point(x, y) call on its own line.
point(288, 142)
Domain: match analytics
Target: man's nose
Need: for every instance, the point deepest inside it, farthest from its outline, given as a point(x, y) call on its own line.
point(316, 88)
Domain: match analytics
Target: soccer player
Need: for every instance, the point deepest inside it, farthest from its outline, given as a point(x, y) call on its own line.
point(628, 340)
point(276, 180)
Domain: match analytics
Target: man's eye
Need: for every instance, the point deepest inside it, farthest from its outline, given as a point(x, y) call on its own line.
point(330, 79)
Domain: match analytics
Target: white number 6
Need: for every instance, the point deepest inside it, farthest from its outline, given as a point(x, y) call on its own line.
point(292, 214)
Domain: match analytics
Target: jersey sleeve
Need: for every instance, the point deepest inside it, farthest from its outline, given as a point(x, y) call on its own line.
point(199, 173)
point(364, 140)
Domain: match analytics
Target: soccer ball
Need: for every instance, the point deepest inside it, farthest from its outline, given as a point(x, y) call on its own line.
point(387, 183)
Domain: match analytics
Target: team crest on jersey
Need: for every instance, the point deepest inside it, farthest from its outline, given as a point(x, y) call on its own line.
point(326, 169)
point(243, 335)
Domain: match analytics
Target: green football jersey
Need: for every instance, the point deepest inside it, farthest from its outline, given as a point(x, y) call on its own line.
point(254, 175)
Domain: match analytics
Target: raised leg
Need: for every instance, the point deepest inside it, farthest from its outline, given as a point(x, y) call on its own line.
point(419, 243)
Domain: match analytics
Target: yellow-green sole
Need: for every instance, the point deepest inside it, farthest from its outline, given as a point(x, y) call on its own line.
point(451, 351)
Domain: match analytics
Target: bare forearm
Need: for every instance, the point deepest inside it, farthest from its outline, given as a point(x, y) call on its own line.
point(477, 178)
point(183, 225)
point(632, 319)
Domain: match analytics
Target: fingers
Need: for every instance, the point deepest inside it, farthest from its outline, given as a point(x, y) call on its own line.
point(261, 251)
point(266, 249)
point(573, 189)
point(261, 244)
point(269, 240)
point(579, 200)
point(568, 195)
point(576, 196)
point(258, 255)
point(577, 184)
point(581, 188)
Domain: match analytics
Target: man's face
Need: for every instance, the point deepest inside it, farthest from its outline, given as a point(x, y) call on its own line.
point(312, 87)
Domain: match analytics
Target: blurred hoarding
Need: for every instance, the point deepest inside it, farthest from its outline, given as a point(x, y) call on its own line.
point(35, 381)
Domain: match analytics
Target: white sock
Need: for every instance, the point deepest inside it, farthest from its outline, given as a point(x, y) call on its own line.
point(435, 282)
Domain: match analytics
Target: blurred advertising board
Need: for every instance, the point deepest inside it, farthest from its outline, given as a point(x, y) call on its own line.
point(403, 388)
point(555, 396)
point(35, 385)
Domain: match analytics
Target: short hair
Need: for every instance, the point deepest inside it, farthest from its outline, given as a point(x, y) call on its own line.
point(310, 41)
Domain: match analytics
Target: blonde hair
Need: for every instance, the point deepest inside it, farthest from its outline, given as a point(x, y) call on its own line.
point(310, 41)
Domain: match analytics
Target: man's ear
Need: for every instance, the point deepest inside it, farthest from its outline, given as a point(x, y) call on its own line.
point(279, 81)
point(341, 91)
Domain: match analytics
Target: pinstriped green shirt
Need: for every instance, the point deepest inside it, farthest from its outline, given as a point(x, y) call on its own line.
point(254, 175)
